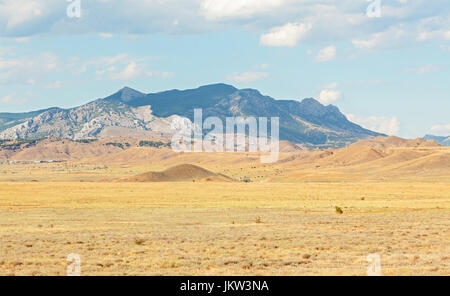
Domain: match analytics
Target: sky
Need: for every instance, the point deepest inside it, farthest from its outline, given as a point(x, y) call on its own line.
point(384, 63)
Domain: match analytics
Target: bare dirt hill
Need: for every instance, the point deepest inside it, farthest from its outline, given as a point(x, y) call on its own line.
point(354, 155)
point(379, 158)
point(179, 173)
point(389, 142)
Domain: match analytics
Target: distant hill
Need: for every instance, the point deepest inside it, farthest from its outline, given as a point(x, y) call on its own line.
point(132, 113)
point(379, 158)
point(392, 141)
point(441, 140)
point(179, 173)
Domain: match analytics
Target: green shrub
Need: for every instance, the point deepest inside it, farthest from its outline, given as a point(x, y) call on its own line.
point(155, 144)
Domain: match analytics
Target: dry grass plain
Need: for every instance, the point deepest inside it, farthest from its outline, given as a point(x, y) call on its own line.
point(394, 193)
point(213, 228)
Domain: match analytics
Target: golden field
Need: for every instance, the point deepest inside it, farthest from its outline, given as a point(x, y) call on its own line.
point(395, 202)
point(225, 228)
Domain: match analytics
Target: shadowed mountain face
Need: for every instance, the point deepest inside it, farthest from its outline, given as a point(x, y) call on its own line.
point(307, 122)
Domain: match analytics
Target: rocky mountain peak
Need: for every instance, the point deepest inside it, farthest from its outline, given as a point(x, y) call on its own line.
point(127, 94)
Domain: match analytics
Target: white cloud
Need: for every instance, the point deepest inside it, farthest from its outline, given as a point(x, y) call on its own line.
point(105, 35)
point(22, 39)
point(435, 27)
point(328, 96)
point(288, 35)
point(27, 70)
point(437, 34)
point(36, 69)
point(391, 37)
point(118, 67)
point(247, 76)
point(164, 74)
point(13, 99)
point(222, 9)
point(331, 85)
point(381, 124)
point(426, 69)
point(54, 84)
point(131, 71)
point(441, 129)
point(332, 21)
point(261, 66)
point(133, 37)
point(6, 99)
point(326, 54)
point(20, 11)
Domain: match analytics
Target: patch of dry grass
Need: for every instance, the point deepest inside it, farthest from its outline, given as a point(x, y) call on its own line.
point(213, 229)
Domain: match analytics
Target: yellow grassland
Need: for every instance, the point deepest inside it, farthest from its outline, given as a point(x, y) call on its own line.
point(225, 228)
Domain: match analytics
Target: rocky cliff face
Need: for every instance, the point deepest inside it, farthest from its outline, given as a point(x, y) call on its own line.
point(88, 121)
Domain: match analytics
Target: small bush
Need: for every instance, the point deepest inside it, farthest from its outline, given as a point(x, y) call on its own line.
point(339, 210)
point(246, 180)
point(139, 241)
point(258, 220)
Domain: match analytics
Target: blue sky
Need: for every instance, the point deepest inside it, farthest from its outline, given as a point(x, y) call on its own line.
point(388, 73)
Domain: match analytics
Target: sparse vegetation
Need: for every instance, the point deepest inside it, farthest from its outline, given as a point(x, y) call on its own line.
point(155, 144)
point(120, 145)
point(86, 141)
point(215, 227)
point(187, 232)
point(17, 144)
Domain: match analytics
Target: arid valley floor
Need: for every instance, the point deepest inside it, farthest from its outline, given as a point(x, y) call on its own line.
point(395, 198)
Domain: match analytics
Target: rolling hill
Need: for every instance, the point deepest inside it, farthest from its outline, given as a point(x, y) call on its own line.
point(144, 159)
point(179, 173)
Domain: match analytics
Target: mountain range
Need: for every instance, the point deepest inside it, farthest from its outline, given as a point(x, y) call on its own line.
point(129, 112)
point(441, 140)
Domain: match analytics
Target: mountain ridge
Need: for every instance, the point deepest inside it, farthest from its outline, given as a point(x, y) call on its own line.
point(305, 122)
point(441, 140)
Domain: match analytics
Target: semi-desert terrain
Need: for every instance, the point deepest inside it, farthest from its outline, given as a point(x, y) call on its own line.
point(130, 209)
